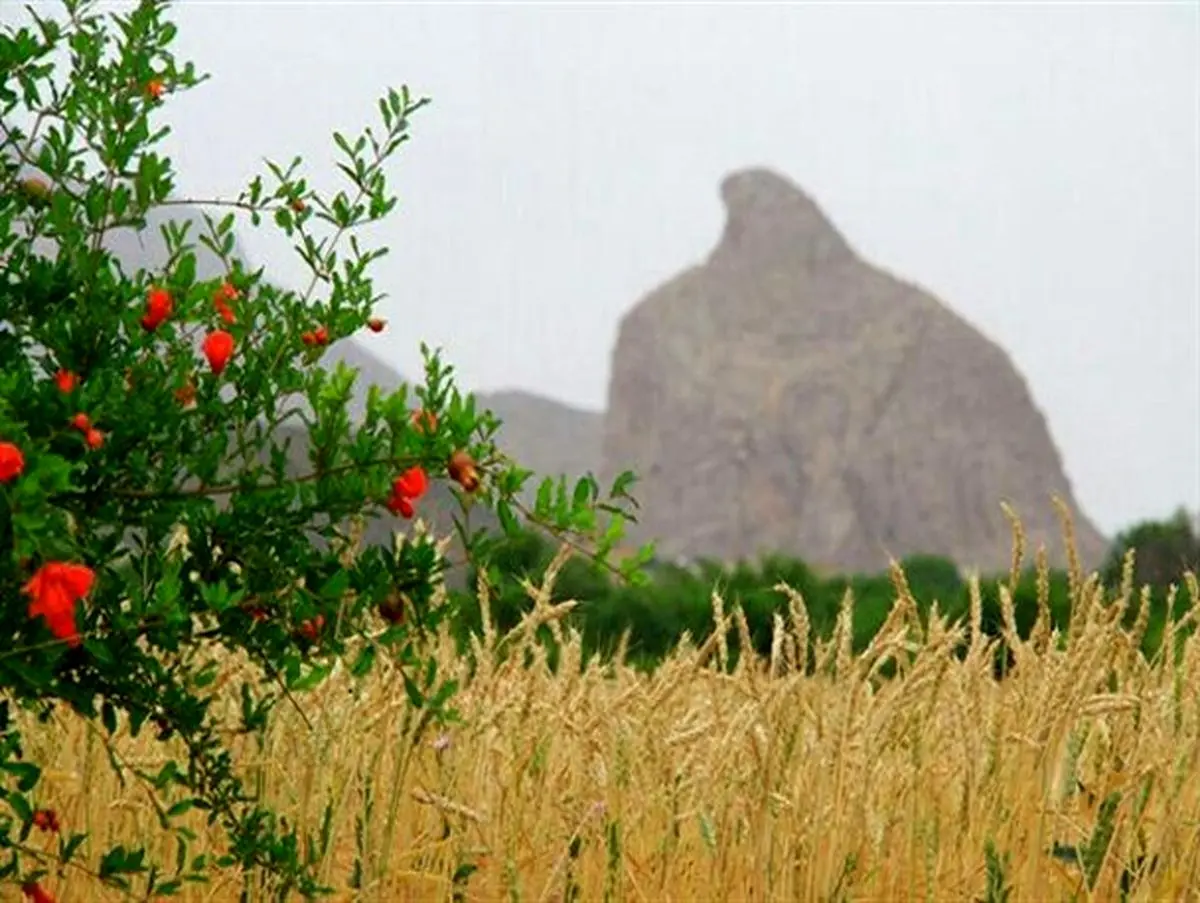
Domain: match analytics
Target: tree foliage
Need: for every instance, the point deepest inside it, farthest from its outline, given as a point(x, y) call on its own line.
point(150, 526)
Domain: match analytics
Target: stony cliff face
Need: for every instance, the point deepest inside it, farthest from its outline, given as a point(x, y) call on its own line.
point(786, 395)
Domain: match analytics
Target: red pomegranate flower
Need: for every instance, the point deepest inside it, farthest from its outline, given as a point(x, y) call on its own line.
point(66, 381)
point(406, 489)
point(12, 462)
point(46, 820)
point(222, 299)
point(411, 484)
point(311, 629)
point(94, 438)
point(35, 893)
point(158, 308)
point(155, 88)
point(401, 506)
point(424, 421)
point(218, 348)
point(54, 589)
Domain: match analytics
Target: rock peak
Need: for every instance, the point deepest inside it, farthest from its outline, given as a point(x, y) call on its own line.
point(852, 416)
point(767, 215)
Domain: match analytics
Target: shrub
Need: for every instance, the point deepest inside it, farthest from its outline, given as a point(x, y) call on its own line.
point(1164, 551)
point(150, 526)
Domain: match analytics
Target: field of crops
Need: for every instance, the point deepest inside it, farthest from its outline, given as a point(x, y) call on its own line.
point(1075, 777)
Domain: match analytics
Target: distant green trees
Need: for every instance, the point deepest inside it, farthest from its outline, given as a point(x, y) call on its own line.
point(1164, 550)
point(677, 600)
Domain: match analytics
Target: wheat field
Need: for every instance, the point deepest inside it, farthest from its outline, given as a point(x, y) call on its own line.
point(1075, 777)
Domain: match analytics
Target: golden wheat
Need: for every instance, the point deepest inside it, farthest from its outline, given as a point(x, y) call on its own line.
point(598, 782)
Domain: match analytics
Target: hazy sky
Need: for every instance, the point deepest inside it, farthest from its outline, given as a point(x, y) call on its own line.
point(1035, 166)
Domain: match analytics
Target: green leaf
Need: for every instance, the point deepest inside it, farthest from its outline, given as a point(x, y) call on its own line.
point(27, 774)
point(545, 497)
point(615, 529)
point(119, 860)
point(620, 486)
point(185, 270)
point(583, 520)
point(364, 661)
point(444, 692)
point(108, 716)
point(69, 847)
point(414, 694)
point(335, 587)
point(583, 492)
point(508, 522)
point(20, 806)
point(168, 773)
point(316, 674)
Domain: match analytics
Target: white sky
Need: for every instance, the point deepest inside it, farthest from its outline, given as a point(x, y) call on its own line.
point(1035, 166)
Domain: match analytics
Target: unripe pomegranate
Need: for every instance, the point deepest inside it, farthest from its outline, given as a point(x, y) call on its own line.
point(392, 608)
point(316, 338)
point(463, 471)
point(36, 191)
point(186, 394)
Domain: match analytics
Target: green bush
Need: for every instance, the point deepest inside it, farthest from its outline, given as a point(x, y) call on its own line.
point(675, 600)
point(151, 522)
point(1164, 550)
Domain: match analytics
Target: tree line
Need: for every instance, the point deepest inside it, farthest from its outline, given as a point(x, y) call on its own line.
point(677, 600)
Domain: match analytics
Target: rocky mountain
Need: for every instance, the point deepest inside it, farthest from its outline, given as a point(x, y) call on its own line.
point(785, 394)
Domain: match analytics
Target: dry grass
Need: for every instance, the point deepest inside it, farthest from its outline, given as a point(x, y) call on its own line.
point(601, 783)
